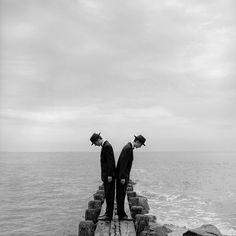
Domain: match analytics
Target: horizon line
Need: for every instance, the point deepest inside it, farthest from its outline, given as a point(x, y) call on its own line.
point(181, 151)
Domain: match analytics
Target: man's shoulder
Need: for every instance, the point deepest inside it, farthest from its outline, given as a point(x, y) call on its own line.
point(107, 144)
point(107, 149)
point(127, 146)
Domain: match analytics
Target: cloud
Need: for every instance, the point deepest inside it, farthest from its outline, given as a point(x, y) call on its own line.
point(140, 65)
point(62, 115)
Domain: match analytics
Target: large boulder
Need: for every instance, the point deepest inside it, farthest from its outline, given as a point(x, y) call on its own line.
point(204, 230)
point(160, 230)
point(152, 218)
point(157, 229)
point(176, 230)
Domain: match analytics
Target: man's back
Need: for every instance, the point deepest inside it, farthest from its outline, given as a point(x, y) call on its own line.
point(107, 161)
point(124, 162)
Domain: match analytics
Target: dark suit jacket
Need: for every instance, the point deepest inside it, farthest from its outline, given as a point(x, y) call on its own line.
point(125, 162)
point(107, 161)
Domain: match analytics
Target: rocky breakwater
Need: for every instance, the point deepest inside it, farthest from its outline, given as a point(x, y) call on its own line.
point(88, 226)
point(146, 224)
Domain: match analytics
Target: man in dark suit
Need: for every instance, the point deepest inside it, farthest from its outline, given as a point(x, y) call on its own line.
point(107, 162)
point(123, 169)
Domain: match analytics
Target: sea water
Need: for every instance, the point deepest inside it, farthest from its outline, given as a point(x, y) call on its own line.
point(47, 194)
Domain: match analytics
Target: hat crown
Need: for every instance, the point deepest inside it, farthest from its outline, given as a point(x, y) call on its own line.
point(95, 137)
point(140, 138)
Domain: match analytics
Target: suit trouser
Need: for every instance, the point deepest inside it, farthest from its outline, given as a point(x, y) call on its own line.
point(120, 198)
point(109, 189)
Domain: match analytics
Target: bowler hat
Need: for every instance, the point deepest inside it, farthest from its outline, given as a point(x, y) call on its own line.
point(94, 138)
point(141, 139)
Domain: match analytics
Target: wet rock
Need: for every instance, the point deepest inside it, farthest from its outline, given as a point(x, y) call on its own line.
point(144, 233)
point(178, 231)
point(136, 210)
point(95, 204)
point(161, 230)
point(204, 230)
point(141, 223)
point(130, 188)
point(98, 196)
point(131, 194)
point(133, 201)
point(143, 202)
point(152, 218)
point(86, 228)
point(92, 214)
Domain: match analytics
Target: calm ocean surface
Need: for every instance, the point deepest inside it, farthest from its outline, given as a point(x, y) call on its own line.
point(47, 193)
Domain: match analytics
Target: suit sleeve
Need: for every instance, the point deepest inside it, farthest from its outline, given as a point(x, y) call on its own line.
point(109, 156)
point(126, 164)
point(129, 168)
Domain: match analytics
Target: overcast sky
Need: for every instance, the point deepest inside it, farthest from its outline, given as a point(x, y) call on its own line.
point(164, 69)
